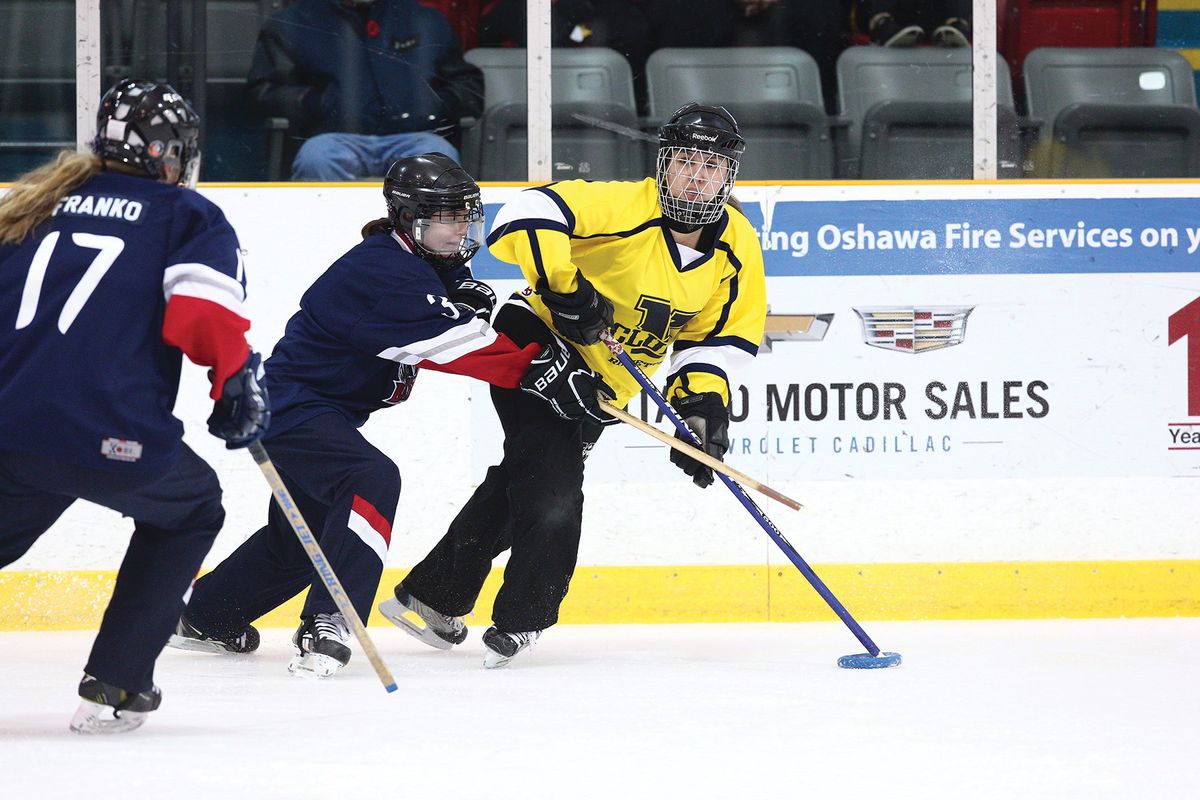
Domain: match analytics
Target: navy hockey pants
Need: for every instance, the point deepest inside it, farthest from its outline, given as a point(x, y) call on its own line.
point(347, 491)
point(176, 515)
point(532, 502)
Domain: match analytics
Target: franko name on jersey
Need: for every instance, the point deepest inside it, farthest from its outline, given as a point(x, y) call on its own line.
point(87, 205)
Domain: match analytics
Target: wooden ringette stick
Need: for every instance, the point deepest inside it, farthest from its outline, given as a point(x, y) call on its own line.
point(321, 564)
point(704, 458)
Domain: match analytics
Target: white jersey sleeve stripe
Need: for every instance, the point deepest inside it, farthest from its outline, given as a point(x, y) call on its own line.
point(725, 357)
point(446, 346)
point(529, 204)
point(201, 273)
point(370, 537)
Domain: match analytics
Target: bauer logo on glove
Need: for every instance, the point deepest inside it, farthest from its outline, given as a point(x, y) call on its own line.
point(560, 376)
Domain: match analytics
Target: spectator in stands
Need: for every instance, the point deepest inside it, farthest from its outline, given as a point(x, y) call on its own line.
point(906, 23)
point(371, 81)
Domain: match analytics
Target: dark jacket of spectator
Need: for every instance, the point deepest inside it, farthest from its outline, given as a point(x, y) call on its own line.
point(392, 66)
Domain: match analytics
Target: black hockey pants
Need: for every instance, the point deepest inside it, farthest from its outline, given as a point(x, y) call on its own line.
point(531, 503)
point(176, 515)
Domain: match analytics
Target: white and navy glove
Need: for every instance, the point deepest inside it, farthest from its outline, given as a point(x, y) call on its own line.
point(580, 316)
point(470, 295)
point(243, 413)
point(560, 376)
point(708, 417)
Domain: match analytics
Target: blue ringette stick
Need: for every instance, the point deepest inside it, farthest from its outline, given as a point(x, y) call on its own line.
point(873, 657)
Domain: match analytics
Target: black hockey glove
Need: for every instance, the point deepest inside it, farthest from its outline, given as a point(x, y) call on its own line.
point(560, 376)
point(708, 417)
point(243, 413)
point(580, 316)
point(472, 296)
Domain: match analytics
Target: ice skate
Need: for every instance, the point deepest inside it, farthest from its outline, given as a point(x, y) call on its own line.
point(187, 637)
point(108, 709)
point(323, 645)
point(431, 627)
point(504, 647)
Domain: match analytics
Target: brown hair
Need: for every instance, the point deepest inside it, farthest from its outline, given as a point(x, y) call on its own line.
point(381, 225)
point(34, 196)
point(733, 201)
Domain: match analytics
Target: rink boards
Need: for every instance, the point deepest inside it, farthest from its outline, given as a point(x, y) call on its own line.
point(986, 395)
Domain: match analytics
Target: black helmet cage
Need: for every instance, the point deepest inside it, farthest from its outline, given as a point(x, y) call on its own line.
point(150, 127)
point(408, 205)
point(692, 132)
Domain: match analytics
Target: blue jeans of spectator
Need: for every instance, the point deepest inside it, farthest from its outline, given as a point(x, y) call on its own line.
point(355, 156)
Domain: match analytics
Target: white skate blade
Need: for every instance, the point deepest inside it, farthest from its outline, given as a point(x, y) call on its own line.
point(187, 643)
point(314, 665)
point(411, 623)
point(97, 718)
point(495, 661)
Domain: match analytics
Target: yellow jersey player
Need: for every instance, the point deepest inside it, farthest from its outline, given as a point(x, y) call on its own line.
point(663, 263)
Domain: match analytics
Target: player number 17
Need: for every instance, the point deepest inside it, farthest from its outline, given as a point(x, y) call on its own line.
point(109, 248)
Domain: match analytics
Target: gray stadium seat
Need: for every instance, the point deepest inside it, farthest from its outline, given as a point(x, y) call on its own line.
point(774, 92)
point(580, 148)
point(1119, 112)
point(585, 74)
point(906, 113)
point(587, 84)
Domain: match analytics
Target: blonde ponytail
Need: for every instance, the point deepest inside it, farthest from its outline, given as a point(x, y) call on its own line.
point(34, 196)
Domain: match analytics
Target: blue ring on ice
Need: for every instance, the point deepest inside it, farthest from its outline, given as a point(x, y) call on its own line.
point(868, 661)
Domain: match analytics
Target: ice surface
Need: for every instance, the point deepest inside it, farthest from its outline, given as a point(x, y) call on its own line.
point(1047, 709)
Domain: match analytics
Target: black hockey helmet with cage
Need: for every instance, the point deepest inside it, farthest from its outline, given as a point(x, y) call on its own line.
point(692, 131)
point(150, 128)
point(419, 188)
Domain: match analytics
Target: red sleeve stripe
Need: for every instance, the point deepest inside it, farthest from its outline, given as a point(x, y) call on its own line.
point(209, 334)
point(370, 526)
point(501, 363)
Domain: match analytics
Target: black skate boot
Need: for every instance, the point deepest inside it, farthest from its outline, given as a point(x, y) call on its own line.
point(503, 647)
point(322, 644)
point(108, 709)
point(187, 637)
point(431, 627)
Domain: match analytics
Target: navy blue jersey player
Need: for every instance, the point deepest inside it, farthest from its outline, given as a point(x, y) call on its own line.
point(400, 300)
point(111, 269)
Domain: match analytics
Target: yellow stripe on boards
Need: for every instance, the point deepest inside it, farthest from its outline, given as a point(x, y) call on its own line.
point(739, 593)
point(1192, 55)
